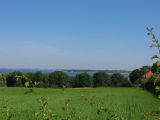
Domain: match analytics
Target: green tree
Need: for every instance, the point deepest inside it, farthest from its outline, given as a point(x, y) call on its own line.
point(38, 76)
point(44, 82)
point(71, 81)
point(58, 79)
point(135, 76)
point(29, 80)
point(40, 79)
point(118, 80)
point(14, 79)
point(101, 79)
point(3, 80)
point(145, 69)
point(83, 80)
point(155, 67)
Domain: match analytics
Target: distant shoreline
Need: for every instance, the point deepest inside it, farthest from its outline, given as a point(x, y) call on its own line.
point(7, 70)
point(93, 71)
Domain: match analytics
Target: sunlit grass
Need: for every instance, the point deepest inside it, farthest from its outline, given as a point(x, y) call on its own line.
point(128, 103)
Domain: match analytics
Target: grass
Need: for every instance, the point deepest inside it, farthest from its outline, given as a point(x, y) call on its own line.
point(127, 103)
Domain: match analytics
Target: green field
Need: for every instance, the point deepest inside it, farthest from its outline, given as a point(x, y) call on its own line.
point(127, 103)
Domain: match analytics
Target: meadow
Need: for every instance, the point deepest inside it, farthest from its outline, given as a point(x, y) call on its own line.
point(80, 104)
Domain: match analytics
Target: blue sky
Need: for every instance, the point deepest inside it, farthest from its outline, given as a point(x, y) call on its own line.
point(77, 34)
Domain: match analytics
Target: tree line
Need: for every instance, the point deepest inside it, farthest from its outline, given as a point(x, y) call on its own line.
point(59, 79)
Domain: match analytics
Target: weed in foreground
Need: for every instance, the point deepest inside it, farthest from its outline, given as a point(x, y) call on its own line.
point(153, 114)
point(101, 108)
point(44, 113)
point(6, 110)
point(70, 113)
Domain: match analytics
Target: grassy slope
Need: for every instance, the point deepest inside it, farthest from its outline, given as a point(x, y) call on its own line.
point(128, 103)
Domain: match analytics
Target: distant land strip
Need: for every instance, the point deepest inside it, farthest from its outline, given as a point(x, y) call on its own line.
point(6, 70)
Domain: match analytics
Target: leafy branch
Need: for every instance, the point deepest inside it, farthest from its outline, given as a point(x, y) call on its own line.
point(155, 42)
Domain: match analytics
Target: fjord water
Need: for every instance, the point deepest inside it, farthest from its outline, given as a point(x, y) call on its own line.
point(91, 74)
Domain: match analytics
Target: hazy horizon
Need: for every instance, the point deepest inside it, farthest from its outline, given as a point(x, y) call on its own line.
point(85, 34)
